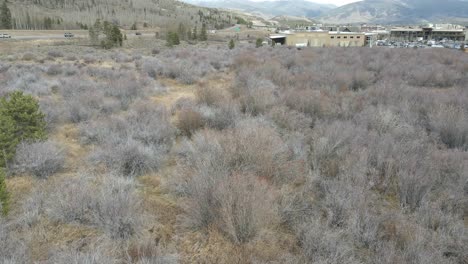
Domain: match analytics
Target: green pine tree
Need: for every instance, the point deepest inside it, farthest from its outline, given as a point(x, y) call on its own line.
point(195, 33)
point(182, 31)
point(24, 111)
point(203, 34)
point(4, 195)
point(232, 45)
point(5, 16)
point(172, 39)
point(259, 43)
point(94, 31)
point(113, 34)
point(8, 140)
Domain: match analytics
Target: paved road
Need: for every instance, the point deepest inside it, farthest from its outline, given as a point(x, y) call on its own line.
point(52, 36)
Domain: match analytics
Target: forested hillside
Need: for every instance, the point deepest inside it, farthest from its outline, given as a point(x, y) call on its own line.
point(74, 14)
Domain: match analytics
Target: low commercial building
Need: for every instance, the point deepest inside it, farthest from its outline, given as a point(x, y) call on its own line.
point(427, 33)
point(319, 39)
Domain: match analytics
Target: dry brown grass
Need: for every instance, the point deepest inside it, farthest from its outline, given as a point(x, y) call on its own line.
point(213, 247)
point(47, 236)
point(158, 202)
point(19, 187)
point(68, 136)
point(176, 91)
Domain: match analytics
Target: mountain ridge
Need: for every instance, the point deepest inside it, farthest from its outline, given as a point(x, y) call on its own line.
point(365, 11)
point(299, 8)
point(399, 12)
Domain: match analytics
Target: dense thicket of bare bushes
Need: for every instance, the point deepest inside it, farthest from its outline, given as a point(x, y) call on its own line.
point(279, 156)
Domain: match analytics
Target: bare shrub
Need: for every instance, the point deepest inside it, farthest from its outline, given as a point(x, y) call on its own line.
point(183, 103)
point(222, 117)
point(290, 120)
point(246, 207)
point(147, 250)
point(55, 54)
point(451, 124)
point(124, 88)
point(238, 205)
point(122, 58)
point(54, 69)
point(414, 184)
point(71, 58)
point(152, 67)
point(70, 70)
point(77, 257)
point(132, 145)
point(12, 248)
point(79, 112)
point(255, 95)
point(321, 245)
point(214, 172)
point(29, 57)
point(129, 157)
point(365, 228)
point(186, 72)
point(53, 111)
point(330, 145)
point(189, 121)
point(41, 159)
point(208, 95)
point(89, 59)
point(111, 205)
point(434, 75)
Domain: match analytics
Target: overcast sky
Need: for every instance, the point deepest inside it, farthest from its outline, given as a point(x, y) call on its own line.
point(335, 2)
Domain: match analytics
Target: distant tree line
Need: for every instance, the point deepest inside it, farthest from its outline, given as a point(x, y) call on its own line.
point(81, 16)
point(184, 33)
point(113, 37)
point(5, 16)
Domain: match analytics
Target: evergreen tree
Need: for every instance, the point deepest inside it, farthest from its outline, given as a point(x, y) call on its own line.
point(94, 31)
point(182, 32)
point(24, 111)
point(172, 39)
point(195, 34)
point(113, 36)
point(8, 140)
point(259, 43)
point(4, 196)
point(48, 23)
point(116, 36)
point(232, 45)
point(134, 26)
point(203, 34)
point(5, 16)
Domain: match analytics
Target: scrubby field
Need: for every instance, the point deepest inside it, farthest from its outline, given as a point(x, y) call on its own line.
point(269, 155)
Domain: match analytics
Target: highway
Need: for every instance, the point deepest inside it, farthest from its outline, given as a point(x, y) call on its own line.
point(57, 34)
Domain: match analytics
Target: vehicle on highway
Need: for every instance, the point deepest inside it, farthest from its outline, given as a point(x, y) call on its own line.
point(68, 35)
point(138, 33)
point(4, 35)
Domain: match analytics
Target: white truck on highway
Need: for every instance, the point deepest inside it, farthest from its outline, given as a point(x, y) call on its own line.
point(4, 35)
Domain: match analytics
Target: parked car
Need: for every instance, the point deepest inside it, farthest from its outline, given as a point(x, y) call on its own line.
point(68, 35)
point(4, 35)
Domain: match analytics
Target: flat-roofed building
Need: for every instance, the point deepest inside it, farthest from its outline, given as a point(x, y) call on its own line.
point(320, 38)
point(347, 39)
point(308, 39)
point(427, 33)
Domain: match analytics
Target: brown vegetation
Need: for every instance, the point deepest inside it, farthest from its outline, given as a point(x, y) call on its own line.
point(250, 155)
